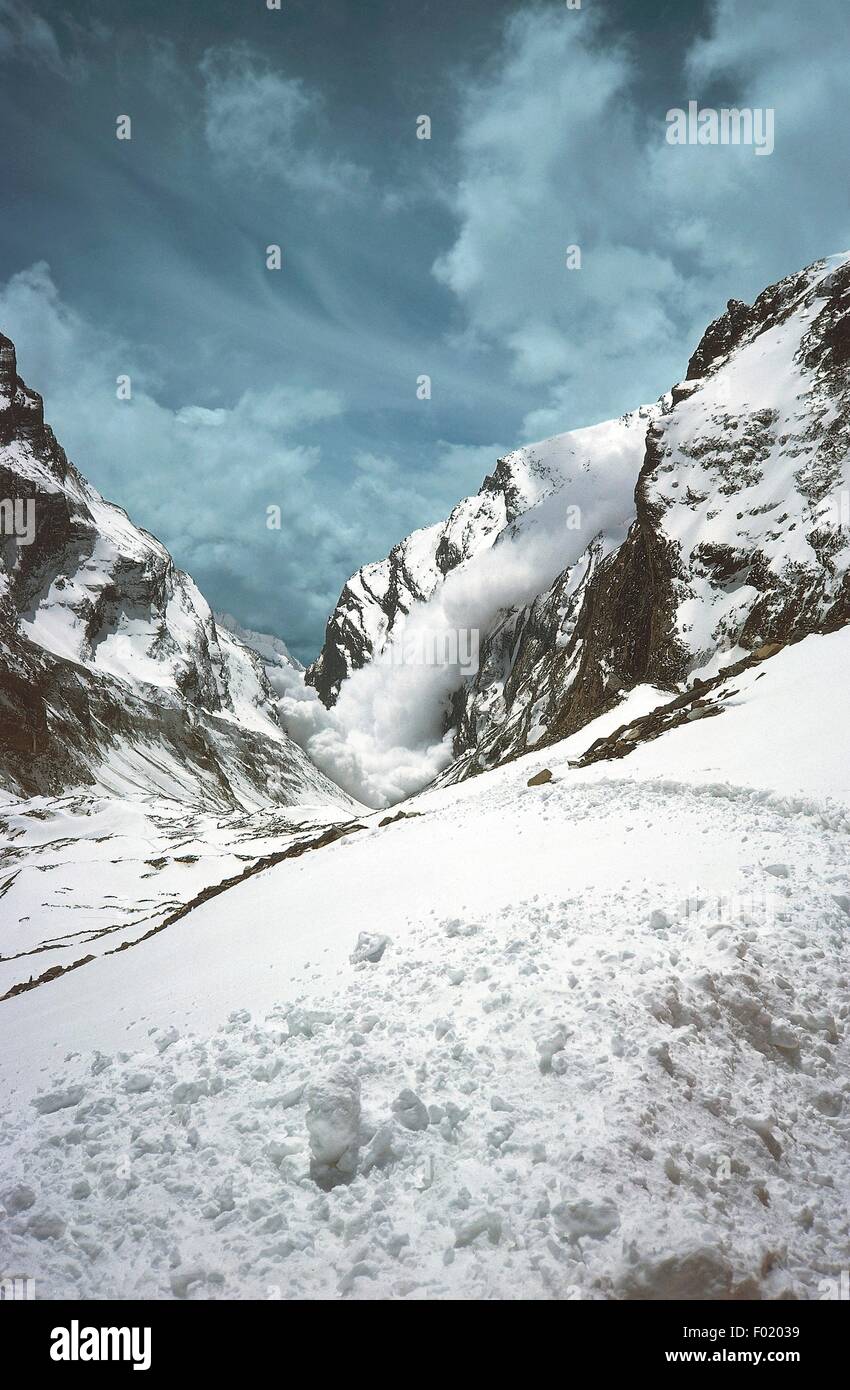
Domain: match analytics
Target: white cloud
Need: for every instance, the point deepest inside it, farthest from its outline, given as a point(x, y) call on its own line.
point(259, 121)
point(551, 156)
point(554, 150)
point(24, 35)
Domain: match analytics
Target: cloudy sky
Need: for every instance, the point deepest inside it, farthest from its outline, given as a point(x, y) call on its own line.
point(254, 388)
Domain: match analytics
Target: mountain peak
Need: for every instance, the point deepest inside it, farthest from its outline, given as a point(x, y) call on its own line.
point(21, 410)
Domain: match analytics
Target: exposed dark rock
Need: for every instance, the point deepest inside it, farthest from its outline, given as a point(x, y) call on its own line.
point(540, 778)
point(400, 815)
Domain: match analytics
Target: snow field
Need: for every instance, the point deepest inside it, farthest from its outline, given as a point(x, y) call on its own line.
point(631, 1090)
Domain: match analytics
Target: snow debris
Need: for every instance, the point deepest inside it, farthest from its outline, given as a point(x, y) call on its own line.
point(370, 947)
point(409, 1111)
point(333, 1123)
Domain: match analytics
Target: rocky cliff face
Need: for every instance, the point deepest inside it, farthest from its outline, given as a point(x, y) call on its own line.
point(739, 535)
point(113, 671)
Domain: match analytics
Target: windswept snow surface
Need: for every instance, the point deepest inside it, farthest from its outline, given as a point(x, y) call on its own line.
point(602, 1054)
point(84, 874)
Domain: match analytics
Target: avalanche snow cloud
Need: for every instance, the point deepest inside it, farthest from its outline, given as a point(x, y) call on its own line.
point(389, 733)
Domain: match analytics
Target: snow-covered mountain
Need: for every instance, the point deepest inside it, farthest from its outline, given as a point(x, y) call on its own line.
point(274, 652)
point(735, 534)
point(575, 1029)
point(113, 670)
point(537, 485)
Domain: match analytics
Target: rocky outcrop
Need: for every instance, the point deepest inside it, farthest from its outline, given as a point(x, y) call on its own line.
point(741, 534)
point(113, 671)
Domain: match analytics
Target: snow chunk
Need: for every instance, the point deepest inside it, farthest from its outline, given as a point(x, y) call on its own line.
point(333, 1124)
point(548, 1046)
point(58, 1100)
point(18, 1199)
point(486, 1221)
point(46, 1226)
point(187, 1092)
point(700, 1273)
point(586, 1218)
point(777, 870)
point(370, 947)
point(409, 1111)
point(137, 1083)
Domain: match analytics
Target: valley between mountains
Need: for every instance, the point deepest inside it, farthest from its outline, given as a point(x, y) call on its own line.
point(396, 981)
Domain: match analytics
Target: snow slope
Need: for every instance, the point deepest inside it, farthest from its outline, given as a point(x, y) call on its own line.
point(82, 875)
point(789, 736)
point(274, 653)
point(603, 1054)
